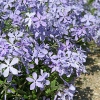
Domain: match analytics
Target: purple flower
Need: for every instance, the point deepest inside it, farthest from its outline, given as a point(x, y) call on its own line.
point(88, 19)
point(45, 75)
point(35, 81)
point(29, 19)
point(38, 81)
point(15, 35)
point(9, 67)
point(4, 48)
point(39, 20)
point(8, 3)
point(65, 94)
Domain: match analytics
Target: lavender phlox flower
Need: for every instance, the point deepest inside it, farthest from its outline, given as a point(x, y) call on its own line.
point(65, 94)
point(64, 9)
point(69, 93)
point(42, 52)
point(9, 67)
point(43, 1)
point(2, 37)
point(78, 32)
point(79, 56)
point(36, 82)
point(15, 35)
point(24, 45)
point(77, 9)
point(29, 3)
point(59, 62)
point(8, 3)
point(88, 18)
point(39, 52)
point(39, 20)
point(7, 14)
point(45, 75)
point(29, 19)
point(4, 48)
point(16, 20)
point(13, 45)
point(15, 16)
point(63, 17)
point(68, 45)
point(54, 58)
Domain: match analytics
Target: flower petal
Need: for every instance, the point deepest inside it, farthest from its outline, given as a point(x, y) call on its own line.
point(6, 72)
point(39, 84)
point(3, 65)
point(44, 51)
point(14, 61)
point(11, 35)
point(41, 78)
point(32, 86)
point(43, 23)
point(11, 40)
point(7, 61)
point(29, 79)
point(47, 82)
point(41, 55)
point(34, 75)
point(29, 23)
point(72, 87)
point(9, 78)
point(13, 71)
point(36, 61)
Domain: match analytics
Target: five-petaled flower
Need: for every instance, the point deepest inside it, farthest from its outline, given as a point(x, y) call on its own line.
point(29, 19)
point(9, 67)
point(88, 19)
point(39, 20)
point(36, 81)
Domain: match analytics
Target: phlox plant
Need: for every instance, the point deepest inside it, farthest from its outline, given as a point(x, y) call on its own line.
point(43, 46)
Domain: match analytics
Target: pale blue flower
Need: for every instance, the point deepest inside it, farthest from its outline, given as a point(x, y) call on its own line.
point(36, 82)
point(9, 67)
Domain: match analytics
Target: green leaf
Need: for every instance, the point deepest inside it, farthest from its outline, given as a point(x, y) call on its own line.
point(26, 97)
point(53, 83)
point(13, 90)
point(90, 1)
point(21, 92)
point(93, 10)
point(48, 91)
point(1, 82)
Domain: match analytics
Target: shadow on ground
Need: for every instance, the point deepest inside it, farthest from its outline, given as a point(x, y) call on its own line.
point(83, 94)
point(92, 68)
point(92, 63)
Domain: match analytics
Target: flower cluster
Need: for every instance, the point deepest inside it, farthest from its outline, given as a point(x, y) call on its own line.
point(50, 33)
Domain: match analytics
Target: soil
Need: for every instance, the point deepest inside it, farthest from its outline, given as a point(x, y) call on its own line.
point(88, 85)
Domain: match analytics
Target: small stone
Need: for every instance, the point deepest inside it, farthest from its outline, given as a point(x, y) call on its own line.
point(96, 94)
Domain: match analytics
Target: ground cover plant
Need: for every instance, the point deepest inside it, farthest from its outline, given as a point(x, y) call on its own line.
point(43, 46)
